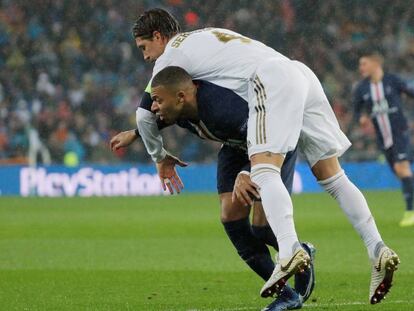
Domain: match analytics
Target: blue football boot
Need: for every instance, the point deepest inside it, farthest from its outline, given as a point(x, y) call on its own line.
point(288, 299)
point(305, 281)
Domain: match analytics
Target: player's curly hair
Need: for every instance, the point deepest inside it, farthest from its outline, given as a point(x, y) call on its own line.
point(155, 20)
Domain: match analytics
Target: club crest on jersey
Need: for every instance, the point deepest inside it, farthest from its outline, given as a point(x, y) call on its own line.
point(366, 96)
point(388, 90)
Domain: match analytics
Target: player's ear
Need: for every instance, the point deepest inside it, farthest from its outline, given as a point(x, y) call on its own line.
point(180, 97)
point(156, 35)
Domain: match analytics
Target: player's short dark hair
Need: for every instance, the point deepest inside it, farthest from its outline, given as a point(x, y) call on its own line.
point(373, 54)
point(170, 76)
point(155, 20)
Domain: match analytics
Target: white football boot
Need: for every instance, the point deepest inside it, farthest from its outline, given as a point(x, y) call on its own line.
point(382, 273)
point(284, 269)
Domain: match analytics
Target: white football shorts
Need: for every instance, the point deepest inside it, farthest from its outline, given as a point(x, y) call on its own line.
point(288, 107)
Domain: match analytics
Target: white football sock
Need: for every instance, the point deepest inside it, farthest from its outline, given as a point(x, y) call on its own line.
point(277, 206)
point(354, 205)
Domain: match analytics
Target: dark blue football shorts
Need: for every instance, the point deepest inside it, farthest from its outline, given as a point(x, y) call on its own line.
point(400, 150)
point(232, 160)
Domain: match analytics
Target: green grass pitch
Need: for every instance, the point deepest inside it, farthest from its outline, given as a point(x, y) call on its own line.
point(171, 253)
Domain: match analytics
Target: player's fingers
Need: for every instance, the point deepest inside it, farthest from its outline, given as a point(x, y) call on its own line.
point(251, 183)
point(168, 184)
point(112, 144)
point(233, 196)
point(253, 190)
point(239, 196)
point(163, 183)
point(245, 187)
point(175, 184)
point(245, 198)
point(179, 181)
point(181, 163)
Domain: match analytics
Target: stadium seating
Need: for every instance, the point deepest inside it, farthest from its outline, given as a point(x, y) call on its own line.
point(70, 73)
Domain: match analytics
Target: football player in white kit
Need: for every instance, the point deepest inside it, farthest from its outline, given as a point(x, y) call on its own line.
point(287, 106)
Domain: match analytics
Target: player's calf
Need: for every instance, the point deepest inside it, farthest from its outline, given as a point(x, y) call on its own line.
point(253, 251)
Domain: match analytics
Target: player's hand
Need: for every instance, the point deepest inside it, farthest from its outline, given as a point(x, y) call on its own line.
point(244, 189)
point(364, 121)
point(123, 139)
point(168, 175)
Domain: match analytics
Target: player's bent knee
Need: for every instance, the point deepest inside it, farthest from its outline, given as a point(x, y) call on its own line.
point(232, 211)
point(326, 168)
point(267, 158)
point(403, 169)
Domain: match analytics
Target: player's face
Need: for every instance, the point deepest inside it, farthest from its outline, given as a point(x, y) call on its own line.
point(166, 104)
point(367, 66)
point(152, 48)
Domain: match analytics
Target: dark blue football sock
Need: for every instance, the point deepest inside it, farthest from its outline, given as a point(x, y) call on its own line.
point(407, 188)
point(265, 234)
point(253, 251)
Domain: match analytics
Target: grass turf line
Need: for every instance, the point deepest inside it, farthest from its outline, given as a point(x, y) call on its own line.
point(171, 253)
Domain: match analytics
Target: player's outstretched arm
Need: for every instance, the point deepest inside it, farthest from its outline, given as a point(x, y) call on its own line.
point(123, 139)
point(149, 127)
point(150, 134)
point(149, 130)
point(168, 174)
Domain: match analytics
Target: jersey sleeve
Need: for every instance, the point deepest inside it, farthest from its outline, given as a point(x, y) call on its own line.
point(150, 134)
point(403, 86)
point(147, 123)
point(149, 127)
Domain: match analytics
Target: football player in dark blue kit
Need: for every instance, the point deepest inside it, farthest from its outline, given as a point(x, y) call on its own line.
point(378, 98)
point(215, 105)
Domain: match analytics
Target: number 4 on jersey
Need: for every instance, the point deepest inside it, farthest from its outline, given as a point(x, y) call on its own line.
point(226, 37)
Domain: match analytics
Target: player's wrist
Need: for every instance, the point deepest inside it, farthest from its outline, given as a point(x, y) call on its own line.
point(245, 173)
point(161, 156)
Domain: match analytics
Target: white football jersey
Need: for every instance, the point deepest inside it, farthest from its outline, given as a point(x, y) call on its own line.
point(217, 55)
point(220, 56)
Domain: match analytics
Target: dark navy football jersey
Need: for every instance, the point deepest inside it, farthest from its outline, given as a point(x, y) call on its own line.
point(223, 115)
point(382, 101)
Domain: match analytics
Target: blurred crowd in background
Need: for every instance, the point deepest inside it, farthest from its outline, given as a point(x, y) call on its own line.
point(71, 76)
